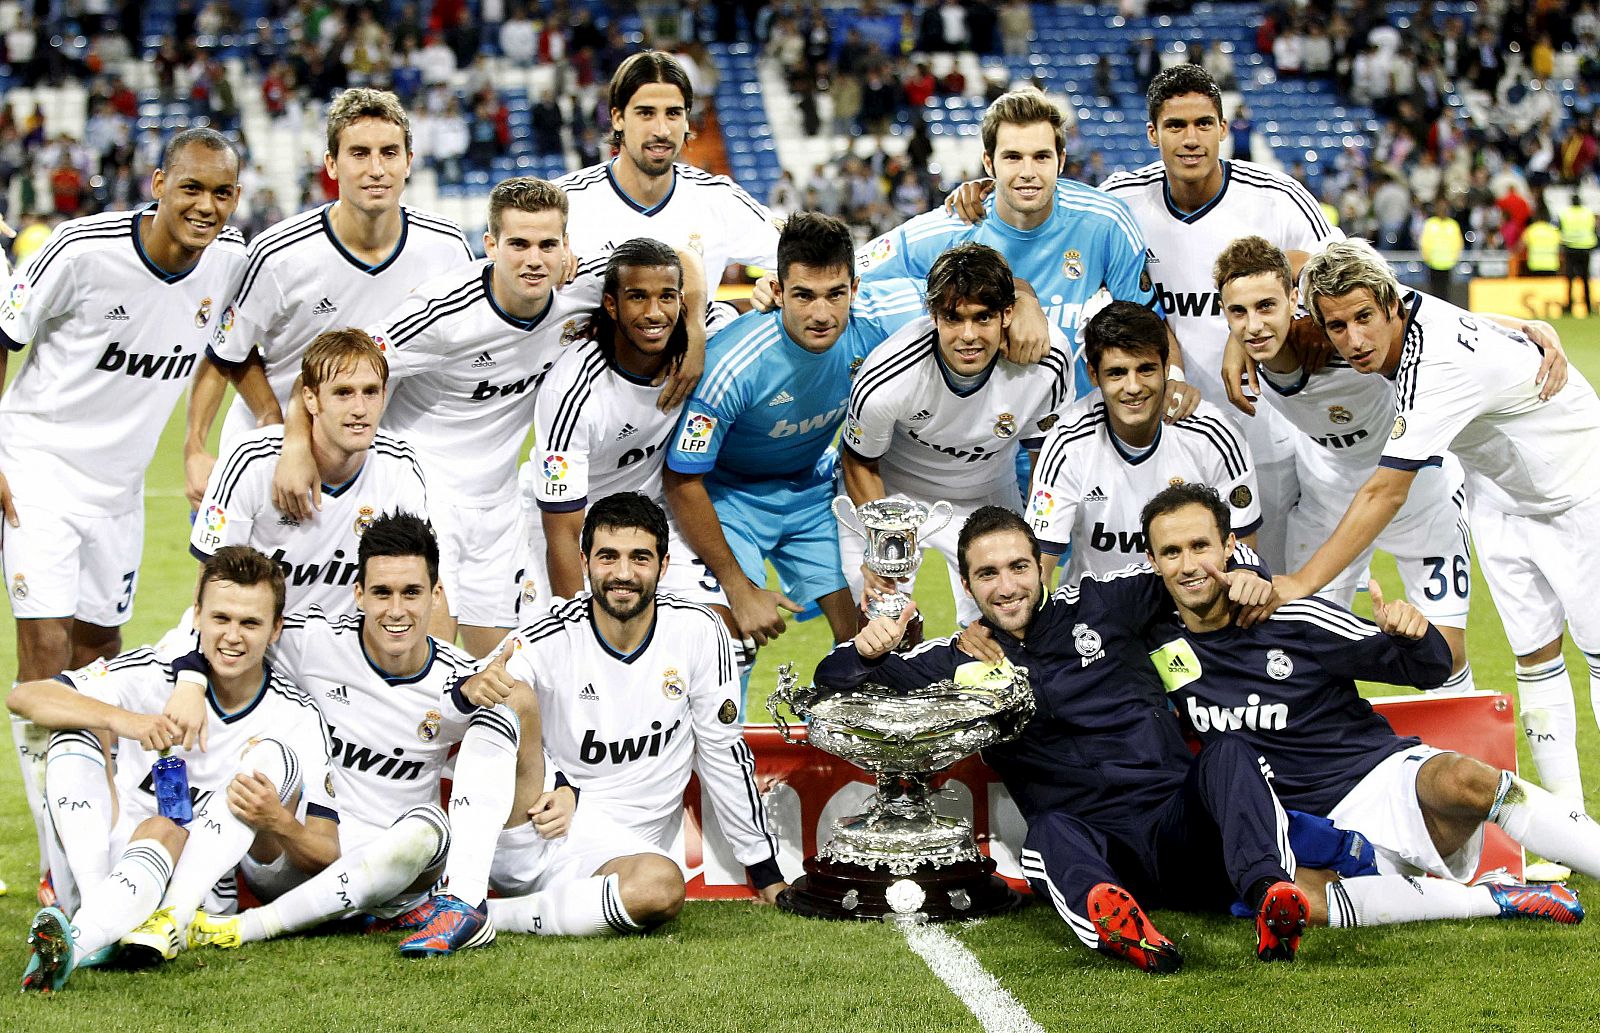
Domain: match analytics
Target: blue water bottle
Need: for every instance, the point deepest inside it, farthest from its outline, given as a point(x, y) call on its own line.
point(171, 777)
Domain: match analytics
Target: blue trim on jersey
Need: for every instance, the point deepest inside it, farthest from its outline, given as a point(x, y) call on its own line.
point(197, 554)
point(1411, 465)
point(635, 205)
point(333, 491)
point(316, 810)
point(1292, 389)
point(631, 378)
point(949, 377)
point(520, 324)
point(371, 270)
point(1409, 333)
point(571, 506)
point(138, 248)
point(219, 361)
point(16, 346)
point(227, 718)
point(626, 658)
point(396, 679)
point(1198, 213)
point(1124, 450)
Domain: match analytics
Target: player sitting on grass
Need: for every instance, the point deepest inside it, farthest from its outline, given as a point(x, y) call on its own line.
point(1286, 687)
point(142, 875)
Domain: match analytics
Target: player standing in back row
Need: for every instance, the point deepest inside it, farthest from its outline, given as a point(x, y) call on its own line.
point(348, 263)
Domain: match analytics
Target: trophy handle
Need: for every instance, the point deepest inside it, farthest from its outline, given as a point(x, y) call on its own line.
point(848, 521)
point(783, 696)
point(939, 514)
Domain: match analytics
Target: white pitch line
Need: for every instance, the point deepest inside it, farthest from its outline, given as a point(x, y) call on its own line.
point(990, 1003)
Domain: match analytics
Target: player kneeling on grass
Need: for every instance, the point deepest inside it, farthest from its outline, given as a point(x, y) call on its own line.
point(1286, 687)
point(142, 876)
point(636, 689)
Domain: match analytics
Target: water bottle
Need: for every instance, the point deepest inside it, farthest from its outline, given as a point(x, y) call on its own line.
point(171, 777)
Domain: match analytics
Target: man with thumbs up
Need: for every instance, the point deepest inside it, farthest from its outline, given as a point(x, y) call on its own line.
point(1286, 687)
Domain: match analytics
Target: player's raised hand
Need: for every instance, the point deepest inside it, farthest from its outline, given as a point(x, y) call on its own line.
point(1239, 377)
point(1028, 336)
point(764, 295)
point(1398, 618)
point(965, 202)
point(552, 812)
point(1245, 587)
point(978, 642)
point(296, 486)
point(1310, 343)
point(7, 505)
point(874, 584)
point(882, 634)
point(1180, 402)
point(756, 612)
point(492, 685)
point(1552, 375)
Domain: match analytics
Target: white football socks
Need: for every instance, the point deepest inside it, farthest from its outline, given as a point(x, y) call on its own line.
point(1461, 681)
point(1550, 721)
point(81, 803)
point(119, 903)
point(367, 877)
point(31, 741)
point(1392, 899)
point(480, 800)
point(581, 907)
point(1550, 826)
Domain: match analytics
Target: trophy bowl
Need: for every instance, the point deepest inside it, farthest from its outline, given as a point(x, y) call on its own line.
point(900, 850)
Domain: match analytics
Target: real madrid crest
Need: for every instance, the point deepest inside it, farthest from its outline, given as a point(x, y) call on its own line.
point(530, 591)
point(1174, 482)
point(1005, 426)
point(1279, 666)
point(19, 587)
point(1339, 414)
point(204, 312)
point(671, 683)
point(1072, 264)
point(855, 364)
point(327, 783)
point(428, 730)
point(1085, 640)
point(696, 244)
point(571, 330)
point(364, 520)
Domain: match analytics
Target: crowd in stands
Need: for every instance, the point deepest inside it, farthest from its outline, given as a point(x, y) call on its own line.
point(1480, 111)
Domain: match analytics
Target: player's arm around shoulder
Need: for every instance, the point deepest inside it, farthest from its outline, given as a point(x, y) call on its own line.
point(93, 697)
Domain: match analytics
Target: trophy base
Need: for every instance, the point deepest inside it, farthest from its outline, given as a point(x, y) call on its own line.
point(843, 890)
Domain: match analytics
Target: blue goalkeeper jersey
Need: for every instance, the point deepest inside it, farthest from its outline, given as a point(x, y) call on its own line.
point(1287, 686)
point(767, 408)
point(1090, 241)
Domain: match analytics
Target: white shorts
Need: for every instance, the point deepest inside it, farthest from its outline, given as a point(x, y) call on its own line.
point(1542, 572)
point(852, 547)
point(67, 565)
point(481, 560)
point(1427, 538)
point(1384, 808)
point(594, 841)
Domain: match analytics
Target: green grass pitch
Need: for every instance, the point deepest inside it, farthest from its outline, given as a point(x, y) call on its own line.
point(728, 966)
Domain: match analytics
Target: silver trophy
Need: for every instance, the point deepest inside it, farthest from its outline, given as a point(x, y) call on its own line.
point(892, 528)
point(900, 856)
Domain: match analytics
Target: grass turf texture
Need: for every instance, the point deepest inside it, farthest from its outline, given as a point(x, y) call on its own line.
point(729, 966)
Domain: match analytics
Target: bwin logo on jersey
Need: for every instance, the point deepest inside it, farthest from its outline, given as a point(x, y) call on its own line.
point(336, 571)
point(1254, 715)
point(176, 366)
point(1204, 303)
point(384, 765)
point(783, 428)
point(593, 750)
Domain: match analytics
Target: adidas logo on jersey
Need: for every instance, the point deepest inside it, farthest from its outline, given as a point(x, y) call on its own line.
point(286, 520)
point(627, 430)
point(339, 694)
point(483, 361)
point(923, 415)
point(1096, 495)
point(118, 313)
point(324, 308)
point(781, 398)
point(587, 692)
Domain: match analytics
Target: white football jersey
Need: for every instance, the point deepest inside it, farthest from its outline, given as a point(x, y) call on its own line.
point(628, 729)
point(935, 440)
point(1088, 489)
point(300, 281)
point(141, 682)
point(1343, 415)
point(115, 342)
point(597, 431)
point(1184, 245)
point(318, 557)
point(390, 736)
point(711, 215)
point(467, 374)
point(1465, 385)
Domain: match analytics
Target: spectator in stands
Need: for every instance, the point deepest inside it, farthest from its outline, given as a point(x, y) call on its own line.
point(1288, 53)
point(1016, 28)
point(1426, 179)
point(879, 103)
point(1241, 132)
point(1103, 82)
point(920, 86)
point(1578, 243)
point(519, 37)
point(1577, 152)
point(436, 61)
point(1391, 207)
point(1146, 60)
point(1484, 63)
point(1541, 245)
point(67, 186)
point(1316, 51)
point(1218, 63)
point(546, 122)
